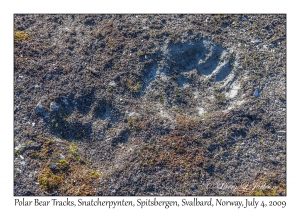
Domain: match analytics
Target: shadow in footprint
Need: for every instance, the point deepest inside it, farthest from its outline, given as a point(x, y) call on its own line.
point(181, 81)
point(211, 63)
point(210, 170)
point(59, 124)
point(84, 102)
point(185, 56)
point(150, 74)
point(101, 110)
point(122, 137)
point(66, 106)
point(71, 130)
point(223, 72)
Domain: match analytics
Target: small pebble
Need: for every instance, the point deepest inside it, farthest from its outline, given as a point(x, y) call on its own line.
point(52, 165)
point(256, 93)
point(112, 83)
point(131, 114)
point(256, 41)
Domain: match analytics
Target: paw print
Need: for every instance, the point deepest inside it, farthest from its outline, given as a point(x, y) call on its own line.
point(71, 117)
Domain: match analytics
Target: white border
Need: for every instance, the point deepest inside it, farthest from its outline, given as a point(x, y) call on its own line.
point(153, 6)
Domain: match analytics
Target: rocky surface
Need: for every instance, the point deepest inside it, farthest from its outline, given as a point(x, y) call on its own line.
point(149, 104)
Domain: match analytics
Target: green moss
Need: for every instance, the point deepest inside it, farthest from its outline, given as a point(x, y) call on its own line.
point(161, 100)
point(71, 175)
point(17, 153)
point(133, 124)
point(73, 147)
point(110, 89)
point(74, 152)
point(62, 165)
point(95, 174)
point(49, 181)
point(136, 88)
point(65, 117)
point(258, 192)
point(111, 43)
point(198, 139)
point(21, 36)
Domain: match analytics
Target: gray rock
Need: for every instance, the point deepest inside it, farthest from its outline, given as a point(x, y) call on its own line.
point(52, 165)
point(96, 73)
point(61, 156)
point(18, 147)
point(53, 107)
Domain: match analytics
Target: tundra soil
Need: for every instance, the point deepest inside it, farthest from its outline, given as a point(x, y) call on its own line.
point(149, 105)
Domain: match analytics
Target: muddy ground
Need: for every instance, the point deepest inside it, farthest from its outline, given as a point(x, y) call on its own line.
point(150, 104)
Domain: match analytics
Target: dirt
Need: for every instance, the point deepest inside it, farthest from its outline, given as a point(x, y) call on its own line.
point(174, 104)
